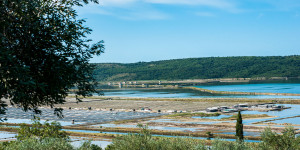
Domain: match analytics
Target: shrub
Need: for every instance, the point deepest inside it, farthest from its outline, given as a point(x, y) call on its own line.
point(37, 144)
point(145, 141)
point(285, 141)
point(219, 144)
point(41, 131)
point(87, 145)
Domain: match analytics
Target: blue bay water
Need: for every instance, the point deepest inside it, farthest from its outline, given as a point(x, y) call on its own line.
point(293, 88)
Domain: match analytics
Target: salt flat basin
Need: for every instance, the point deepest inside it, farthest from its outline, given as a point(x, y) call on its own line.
point(16, 115)
point(149, 127)
point(29, 121)
point(188, 122)
point(288, 120)
point(246, 133)
point(293, 111)
point(7, 135)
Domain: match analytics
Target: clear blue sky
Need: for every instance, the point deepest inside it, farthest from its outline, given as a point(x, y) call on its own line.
point(150, 30)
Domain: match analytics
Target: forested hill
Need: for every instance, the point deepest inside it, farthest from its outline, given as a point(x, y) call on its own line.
point(201, 68)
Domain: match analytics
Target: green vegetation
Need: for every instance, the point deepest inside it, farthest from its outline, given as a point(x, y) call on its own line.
point(44, 51)
point(285, 141)
point(41, 131)
point(32, 143)
point(239, 127)
point(201, 68)
point(43, 136)
point(45, 144)
point(193, 114)
point(144, 141)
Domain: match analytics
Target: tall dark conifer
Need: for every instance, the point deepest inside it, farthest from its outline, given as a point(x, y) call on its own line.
point(239, 127)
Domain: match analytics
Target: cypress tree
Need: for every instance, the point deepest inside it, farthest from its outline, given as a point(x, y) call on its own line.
point(239, 127)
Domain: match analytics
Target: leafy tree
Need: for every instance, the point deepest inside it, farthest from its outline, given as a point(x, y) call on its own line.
point(44, 52)
point(239, 127)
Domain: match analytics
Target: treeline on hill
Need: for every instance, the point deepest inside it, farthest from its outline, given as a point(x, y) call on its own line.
point(201, 68)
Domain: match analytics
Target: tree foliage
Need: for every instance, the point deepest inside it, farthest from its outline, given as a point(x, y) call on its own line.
point(239, 127)
point(44, 52)
point(202, 68)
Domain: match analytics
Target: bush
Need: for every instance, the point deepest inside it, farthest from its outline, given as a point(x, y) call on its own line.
point(41, 131)
point(219, 144)
point(45, 136)
point(37, 144)
point(45, 144)
point(87, 145)
point(145, 141)
point(285, 141)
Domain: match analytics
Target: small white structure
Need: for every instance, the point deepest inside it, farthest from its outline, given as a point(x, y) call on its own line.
point(212, 109)
point(243, 105)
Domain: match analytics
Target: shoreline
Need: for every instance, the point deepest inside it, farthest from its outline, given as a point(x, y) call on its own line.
point(218, 99)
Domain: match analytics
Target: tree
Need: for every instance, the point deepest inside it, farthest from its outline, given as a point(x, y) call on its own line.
point(239, 127)
point(44, 52)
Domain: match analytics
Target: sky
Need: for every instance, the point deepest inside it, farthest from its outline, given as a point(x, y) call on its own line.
point(151, 30)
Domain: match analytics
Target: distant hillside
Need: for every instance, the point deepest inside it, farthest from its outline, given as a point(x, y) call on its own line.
point(201, 68)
